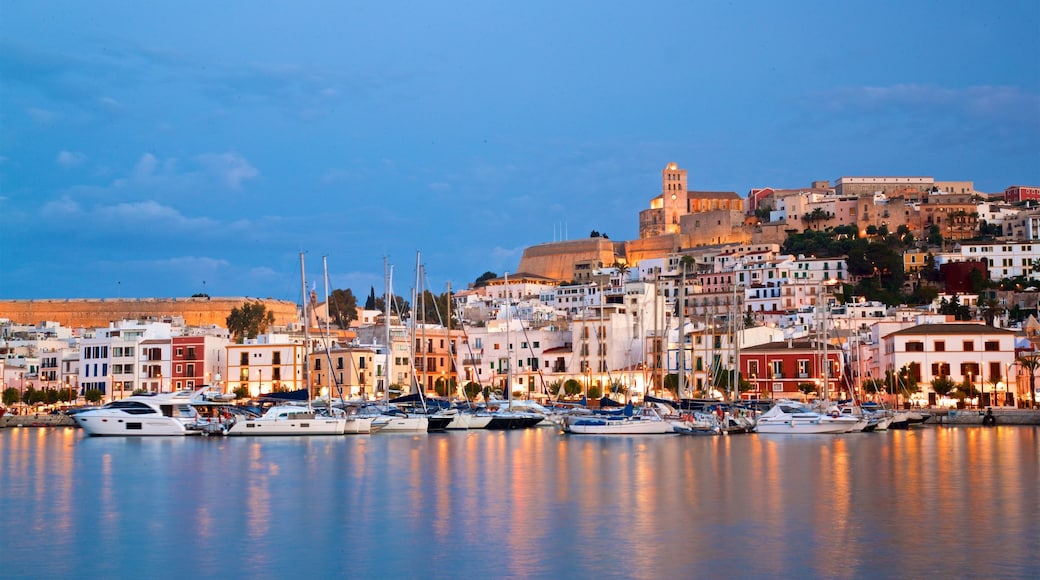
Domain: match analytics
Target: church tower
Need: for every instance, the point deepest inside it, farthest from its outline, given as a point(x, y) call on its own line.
point(676, 200)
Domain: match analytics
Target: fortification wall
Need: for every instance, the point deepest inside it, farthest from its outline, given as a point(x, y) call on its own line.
point(556, 259)
point(92, 313)
point(651, 248)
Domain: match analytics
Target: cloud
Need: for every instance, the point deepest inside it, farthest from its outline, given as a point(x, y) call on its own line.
point(129, 216)
point(70, 159)
point(63, 207)
point(980, 102)
point(232, 168)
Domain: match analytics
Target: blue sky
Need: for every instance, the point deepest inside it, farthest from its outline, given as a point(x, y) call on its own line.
point(164, 149)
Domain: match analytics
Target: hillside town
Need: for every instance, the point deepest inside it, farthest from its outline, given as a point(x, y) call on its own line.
point(903, 290)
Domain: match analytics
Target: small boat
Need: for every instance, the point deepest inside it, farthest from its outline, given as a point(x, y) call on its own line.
point(793, 417)
point(140, 415)
point(644, 421)
point(290, 419)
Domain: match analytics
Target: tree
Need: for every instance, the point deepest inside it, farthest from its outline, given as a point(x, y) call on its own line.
point(250, 320)
point(93, 395)
point(483, 279)
point(807, 388)
point(816, 216)
point(1030, 362)
point(241, 392)
point(444, 387)
point(471, 389)
point(935, 237)
point(10, 396)
point(966, 390)
point(342, 307)
point(397, 304)
point(943, 386)
point(671, 382)
point(571, 387)
point(554, 387)
point(370, 302)
point(435, 307)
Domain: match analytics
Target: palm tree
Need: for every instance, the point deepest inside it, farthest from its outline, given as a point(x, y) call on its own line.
point(1030, 362)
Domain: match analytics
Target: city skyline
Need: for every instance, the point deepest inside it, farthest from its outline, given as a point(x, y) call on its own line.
point(148, 151)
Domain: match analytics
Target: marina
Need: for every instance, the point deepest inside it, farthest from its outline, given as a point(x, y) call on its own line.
point(529, 503)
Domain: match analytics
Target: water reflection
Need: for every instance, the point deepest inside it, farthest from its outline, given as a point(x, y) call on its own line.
point(524, 504)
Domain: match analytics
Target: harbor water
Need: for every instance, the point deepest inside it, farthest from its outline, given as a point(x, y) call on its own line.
point(932, 501)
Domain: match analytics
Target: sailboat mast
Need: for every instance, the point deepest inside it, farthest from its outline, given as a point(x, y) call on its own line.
point(509, 349)
point(388, 273)
point(681, 388)
point(306, 336)
point(328, 328)
point(451, 351)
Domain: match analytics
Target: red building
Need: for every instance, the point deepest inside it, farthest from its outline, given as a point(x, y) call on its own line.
point(776, 369)
point(1017, 193)
point(197, 361)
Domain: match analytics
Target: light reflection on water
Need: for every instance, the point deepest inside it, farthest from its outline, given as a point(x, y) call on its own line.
point(525, 504)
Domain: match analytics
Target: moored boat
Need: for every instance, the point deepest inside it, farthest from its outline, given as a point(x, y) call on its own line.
point(644, 421)
point(140, 415)
point(793, 417)
point(290, 420)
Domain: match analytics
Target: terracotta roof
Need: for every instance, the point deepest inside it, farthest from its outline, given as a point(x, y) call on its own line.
point(557, 349)
point(968, 328)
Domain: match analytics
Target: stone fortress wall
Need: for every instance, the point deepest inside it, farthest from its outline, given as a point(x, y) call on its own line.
point(99, 312)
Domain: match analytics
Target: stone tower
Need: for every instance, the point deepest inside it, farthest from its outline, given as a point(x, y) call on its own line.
point(673, 193)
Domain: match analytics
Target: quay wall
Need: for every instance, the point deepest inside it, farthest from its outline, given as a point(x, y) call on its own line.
point(99, 312)
point(974, 417)
point(37, 421)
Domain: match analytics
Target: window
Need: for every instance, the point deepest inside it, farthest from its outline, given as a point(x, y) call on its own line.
point(969, 345)
point(276, 358)
point(243, 359)
point(992, 345)
point(915, 346)
point(940, 346)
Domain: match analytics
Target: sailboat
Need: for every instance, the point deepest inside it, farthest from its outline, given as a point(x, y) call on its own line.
point(508, 418)
point(392, 419)
point(293, 419)
point(357, 421)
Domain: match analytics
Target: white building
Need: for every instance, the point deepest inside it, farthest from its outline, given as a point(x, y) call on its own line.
point(1003, 259)
point(977, 353)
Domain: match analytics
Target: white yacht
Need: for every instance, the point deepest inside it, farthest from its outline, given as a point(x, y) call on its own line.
point(794, 417)
point(644, 421)
point(290, 420)
point(140, 415)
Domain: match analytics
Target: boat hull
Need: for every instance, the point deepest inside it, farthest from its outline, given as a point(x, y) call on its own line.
point(261, 426)
point(803, 426)
point(395, 424)
point(98, 424)
point(607, 427)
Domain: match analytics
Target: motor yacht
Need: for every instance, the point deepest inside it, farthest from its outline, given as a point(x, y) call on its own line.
point(291, 420)
point(794, 417)
point(140, 415)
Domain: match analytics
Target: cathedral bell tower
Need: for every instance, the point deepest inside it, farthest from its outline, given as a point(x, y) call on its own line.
point(676, 200)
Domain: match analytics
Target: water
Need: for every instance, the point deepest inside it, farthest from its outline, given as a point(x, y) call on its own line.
point(526, 504)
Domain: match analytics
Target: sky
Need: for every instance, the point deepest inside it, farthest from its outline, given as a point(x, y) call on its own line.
point(164, 149)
